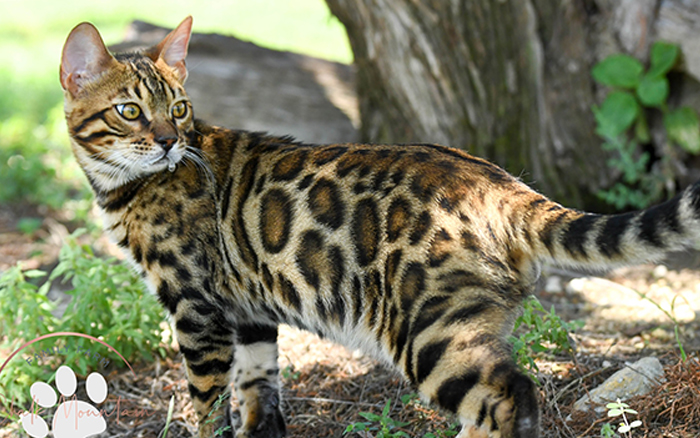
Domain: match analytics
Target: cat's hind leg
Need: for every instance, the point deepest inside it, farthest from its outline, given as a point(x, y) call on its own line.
point(470, 373)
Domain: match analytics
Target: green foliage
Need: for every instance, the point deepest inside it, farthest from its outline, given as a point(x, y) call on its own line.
point(672, 317)
point(109, 302)
point(288, 373)
point(683, 127)
point(223, 398)
point(639, 187)
point(619, 409)
point(617, 113)
point(622, 121)
point(29, 225)
point(663, 58)
point(448, 433)
point(381, 425)
point(36, 164)
point(546, 332)
point(618, 71)
point(25, 314)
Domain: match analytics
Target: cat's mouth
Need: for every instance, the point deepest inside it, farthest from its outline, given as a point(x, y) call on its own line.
point(167, 160)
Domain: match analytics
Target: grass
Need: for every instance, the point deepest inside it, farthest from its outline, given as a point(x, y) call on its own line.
point(303, 25)
point(35, 160)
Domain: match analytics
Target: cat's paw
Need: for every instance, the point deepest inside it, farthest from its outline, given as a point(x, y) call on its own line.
point(268, 419)
point(272, 427)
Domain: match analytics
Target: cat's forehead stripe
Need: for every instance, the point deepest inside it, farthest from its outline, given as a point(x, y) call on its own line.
point(149, 76)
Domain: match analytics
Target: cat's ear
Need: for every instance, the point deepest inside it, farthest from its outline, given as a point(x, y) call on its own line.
point(173, 48)
point(84, 58)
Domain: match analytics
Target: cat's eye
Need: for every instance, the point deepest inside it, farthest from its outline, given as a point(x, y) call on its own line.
point(130, 111)
point(179, 110)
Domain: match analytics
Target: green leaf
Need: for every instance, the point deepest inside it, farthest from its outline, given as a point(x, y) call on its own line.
point(653, 90)
point(370, 416)
point(29, 225)
point(641, 130)
point(618, 71)
point(663, 58)
point(34, 273)
point(616, 114)
point(387, 408)
point(408, 398)
point(683, 127)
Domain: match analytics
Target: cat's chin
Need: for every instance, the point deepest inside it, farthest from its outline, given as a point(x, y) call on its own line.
point(167, 162)
point(117, 180)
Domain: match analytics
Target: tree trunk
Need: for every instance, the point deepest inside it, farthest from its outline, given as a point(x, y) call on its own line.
point(507, 80)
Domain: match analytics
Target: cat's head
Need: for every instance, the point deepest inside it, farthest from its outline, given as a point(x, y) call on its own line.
point(128, 115)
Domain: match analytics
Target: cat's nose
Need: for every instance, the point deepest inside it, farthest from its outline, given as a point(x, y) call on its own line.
point(166, 143)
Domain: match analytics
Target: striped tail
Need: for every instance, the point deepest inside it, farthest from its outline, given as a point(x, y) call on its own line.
point(569, 237)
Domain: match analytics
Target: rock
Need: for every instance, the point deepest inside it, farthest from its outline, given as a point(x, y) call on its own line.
point(661, 334)
point(575, 286)
point(659, 272)
point(553, 285)
point(634, 379)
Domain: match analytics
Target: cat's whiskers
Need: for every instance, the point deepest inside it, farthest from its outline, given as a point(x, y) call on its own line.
point(196, 157)
point(112, 170)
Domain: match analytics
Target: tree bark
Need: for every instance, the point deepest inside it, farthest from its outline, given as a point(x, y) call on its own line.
point(507, 80)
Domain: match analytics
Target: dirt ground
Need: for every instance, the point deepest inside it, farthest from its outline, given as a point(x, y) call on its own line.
point(326, 387)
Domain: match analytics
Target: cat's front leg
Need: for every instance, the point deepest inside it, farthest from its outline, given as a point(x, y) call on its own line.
point(256, 378)
point(207, 343)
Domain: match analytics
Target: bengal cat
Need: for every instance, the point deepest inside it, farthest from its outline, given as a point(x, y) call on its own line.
point(419, 255)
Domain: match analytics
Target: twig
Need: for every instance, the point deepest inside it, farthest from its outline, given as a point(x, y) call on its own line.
point(577, 381)
point(333, 401)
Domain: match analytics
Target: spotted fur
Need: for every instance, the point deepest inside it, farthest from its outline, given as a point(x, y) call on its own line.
point(420, 255)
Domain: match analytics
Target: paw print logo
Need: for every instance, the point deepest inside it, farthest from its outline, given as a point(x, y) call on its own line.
point(73, 418)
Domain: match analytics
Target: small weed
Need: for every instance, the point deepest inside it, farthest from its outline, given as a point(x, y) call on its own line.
point(619, 409)
point(288, 373)
point(671, 316)
point(543, 328)
point(382, 425)
point(448, 433)
point(223, 398)
point(29, 225)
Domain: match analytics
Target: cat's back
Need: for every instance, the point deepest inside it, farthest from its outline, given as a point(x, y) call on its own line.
point(346, 221)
